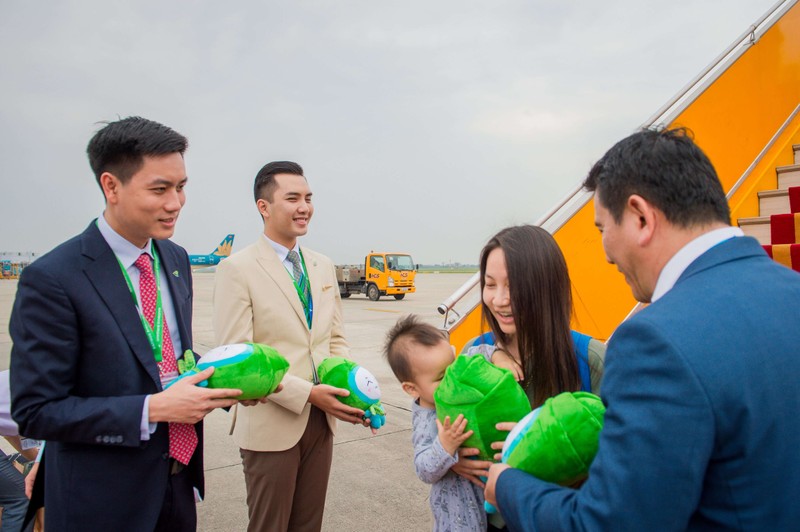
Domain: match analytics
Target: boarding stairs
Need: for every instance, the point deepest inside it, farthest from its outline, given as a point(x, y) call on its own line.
point(744, 112)
point(777, 227)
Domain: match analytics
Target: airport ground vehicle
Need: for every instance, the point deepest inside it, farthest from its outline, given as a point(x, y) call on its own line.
point(381, 274)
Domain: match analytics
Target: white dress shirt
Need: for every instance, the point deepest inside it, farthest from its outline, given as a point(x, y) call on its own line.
point(283, 256)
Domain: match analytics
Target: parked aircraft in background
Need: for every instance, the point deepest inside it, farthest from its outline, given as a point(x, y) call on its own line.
point(213, 258)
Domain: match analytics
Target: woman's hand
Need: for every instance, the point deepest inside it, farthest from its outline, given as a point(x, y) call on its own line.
point(502, 359)
point(470, 469)
point(507, 426)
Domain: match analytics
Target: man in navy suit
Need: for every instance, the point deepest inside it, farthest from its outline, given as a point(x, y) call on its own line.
point(702, 429)
point(94, 346)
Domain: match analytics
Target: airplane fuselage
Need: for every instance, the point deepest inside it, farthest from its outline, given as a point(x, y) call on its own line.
point(204, 260)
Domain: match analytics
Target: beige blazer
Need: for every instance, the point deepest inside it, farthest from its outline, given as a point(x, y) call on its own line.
point(255, 301)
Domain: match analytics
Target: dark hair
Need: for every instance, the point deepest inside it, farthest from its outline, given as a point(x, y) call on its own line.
point(265, 185)
point(407, 332)
point(666, 168)
point(541, 301)
point(120, 147)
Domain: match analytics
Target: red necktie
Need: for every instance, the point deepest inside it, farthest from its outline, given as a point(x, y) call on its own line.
point(182, 436)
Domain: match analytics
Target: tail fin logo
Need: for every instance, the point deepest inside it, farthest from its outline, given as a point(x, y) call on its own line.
point(222, 251)
point(225, 247)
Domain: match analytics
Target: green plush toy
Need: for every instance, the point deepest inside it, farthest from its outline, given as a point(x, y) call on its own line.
point(558, 441)
point(365, 393)
point(256, 369)
point(485, 395)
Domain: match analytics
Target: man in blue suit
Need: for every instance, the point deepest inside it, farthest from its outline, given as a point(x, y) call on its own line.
point(97, 326)
point(702, 428)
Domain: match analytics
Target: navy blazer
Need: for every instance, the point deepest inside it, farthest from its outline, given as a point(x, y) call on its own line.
point(702, 430)
point(81, 366)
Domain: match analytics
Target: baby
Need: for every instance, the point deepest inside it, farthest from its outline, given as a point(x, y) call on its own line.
point(418, 354)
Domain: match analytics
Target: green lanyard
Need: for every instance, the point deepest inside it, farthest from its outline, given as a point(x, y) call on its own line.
point(155, 334)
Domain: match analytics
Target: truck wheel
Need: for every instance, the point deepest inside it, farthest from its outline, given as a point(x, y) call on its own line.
point(345, 295)
point(373, 293)
point(399, 296)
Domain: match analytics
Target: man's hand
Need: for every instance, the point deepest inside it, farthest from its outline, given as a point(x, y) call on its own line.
point(252, 402)
point(470, 469)
point(30, 478)
point(184, 402)
point(451, 436)
point(507, 426)
point(491, 483)
point(324, 397)
point(502, 359)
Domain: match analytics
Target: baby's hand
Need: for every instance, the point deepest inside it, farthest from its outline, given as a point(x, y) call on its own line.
point(451, 436)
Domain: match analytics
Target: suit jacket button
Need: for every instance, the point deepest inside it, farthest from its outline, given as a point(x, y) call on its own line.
point(98, 439)
point(165, 456)
point(106, 439)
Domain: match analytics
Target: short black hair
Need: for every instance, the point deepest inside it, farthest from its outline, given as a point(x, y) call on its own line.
point(265, 185)
point(120, 147)
point(407, 332)
point(667, 169)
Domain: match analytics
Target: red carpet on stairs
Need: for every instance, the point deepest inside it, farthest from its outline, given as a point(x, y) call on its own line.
point(786, 254)
point(794, 199)
point(785, 228)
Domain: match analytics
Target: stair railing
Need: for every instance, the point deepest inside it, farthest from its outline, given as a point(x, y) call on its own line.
point(466, 296)
point(764, 151)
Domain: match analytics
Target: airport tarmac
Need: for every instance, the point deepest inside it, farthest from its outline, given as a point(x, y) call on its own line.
point(373, 485)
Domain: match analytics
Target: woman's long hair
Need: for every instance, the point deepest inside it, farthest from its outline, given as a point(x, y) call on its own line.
point(541, 301)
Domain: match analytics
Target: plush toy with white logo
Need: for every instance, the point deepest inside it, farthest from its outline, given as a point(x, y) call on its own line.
point(365, 393)
point(558, 441)
point(256, 369)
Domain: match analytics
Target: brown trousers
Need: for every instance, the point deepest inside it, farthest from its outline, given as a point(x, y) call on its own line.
point(286, 489)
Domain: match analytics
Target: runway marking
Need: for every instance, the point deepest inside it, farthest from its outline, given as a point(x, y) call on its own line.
point(384, 310)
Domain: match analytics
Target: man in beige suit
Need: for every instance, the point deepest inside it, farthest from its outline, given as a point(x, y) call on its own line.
point(280, 294)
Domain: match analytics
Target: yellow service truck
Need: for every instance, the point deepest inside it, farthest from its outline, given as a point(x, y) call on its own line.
point(382, 274)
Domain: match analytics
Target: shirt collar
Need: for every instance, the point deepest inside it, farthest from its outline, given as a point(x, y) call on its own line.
point(282, 250)
point(126, 252)
point(687, 255)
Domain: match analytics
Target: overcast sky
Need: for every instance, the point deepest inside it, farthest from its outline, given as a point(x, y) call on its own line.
point(422, 126)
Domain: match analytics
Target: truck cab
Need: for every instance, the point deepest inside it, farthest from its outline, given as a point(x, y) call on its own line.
point(389, 274)
point(382, 274)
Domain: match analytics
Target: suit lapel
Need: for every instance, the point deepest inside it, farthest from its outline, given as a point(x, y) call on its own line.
point(103, 271)
point(179, 291)
point(268, 260)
